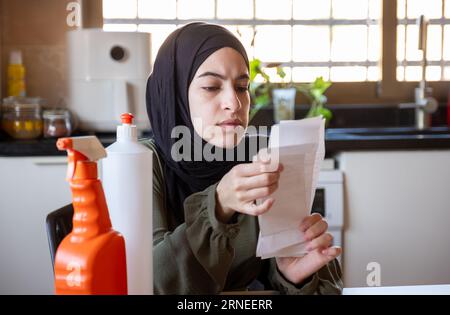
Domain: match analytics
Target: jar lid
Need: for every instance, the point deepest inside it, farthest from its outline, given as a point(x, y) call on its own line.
point(20, 104)
point(55, 113)
point(12, 100)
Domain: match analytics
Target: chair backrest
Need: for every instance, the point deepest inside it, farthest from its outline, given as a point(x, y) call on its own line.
point(58, 225)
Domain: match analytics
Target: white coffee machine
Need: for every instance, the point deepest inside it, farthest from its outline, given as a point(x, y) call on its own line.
point(108, 73)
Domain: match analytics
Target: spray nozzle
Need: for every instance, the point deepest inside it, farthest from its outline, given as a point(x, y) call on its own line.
point(87, 148)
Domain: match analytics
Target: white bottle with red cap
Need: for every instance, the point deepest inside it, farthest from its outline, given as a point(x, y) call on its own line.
point(127, 175)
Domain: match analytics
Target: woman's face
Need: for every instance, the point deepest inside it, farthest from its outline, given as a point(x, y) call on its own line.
point(219, 99)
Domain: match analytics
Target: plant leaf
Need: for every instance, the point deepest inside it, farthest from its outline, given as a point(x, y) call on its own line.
point(321, 85)
point(326, 113)
point(262, 100)
point(280, 72)
point(254, 68)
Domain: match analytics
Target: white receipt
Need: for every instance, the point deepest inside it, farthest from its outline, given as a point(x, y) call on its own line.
point(300, 146)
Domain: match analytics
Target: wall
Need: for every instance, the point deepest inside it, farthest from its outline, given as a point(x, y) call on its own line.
point(38, 29)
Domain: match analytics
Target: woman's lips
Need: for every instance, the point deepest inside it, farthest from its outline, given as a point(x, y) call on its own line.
point(230, 123)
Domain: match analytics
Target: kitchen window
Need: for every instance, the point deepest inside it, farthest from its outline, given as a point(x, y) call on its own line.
point(380, 64)
point(310, 36)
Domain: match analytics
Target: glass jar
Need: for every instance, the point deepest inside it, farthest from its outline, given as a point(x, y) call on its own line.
point(21, 117)
point(57, 123)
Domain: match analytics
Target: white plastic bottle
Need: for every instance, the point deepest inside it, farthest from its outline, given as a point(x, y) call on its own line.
point(127, 175)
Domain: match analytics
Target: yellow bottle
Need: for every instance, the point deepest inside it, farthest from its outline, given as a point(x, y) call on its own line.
point(16, 74)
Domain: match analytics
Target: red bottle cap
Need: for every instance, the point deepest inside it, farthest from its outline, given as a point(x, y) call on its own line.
point(127, 118)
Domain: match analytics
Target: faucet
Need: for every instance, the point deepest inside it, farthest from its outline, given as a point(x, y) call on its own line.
point(424, 104)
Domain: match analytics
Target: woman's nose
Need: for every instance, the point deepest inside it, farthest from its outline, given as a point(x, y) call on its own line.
point(231, 101)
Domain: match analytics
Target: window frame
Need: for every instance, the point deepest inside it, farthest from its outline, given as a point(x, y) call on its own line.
point(400, 91)
point(386, 91)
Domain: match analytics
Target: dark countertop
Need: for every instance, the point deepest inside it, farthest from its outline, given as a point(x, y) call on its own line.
point(373, 127)
point(336, 140)
point(392, 138)
point(42, 147)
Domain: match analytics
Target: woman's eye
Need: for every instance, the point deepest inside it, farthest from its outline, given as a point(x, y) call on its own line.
point(242, 88)
point(211, 88)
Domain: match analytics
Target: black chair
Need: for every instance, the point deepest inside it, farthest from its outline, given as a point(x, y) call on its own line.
point(58, 224)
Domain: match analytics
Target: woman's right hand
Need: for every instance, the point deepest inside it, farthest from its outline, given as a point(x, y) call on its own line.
point(242, 185)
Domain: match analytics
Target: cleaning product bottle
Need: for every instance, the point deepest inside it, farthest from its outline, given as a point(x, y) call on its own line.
point(16, 74)
point(91, 259)
point(127, 176)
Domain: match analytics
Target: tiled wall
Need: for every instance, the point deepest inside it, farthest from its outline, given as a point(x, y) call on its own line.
point(38, 29)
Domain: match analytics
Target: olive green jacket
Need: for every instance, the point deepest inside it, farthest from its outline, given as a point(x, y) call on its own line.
point(205, 256)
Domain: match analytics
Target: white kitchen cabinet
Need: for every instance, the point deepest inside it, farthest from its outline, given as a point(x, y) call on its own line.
point(397, 214)
point(30, 188)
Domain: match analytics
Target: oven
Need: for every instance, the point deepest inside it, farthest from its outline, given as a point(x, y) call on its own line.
point(329, 202)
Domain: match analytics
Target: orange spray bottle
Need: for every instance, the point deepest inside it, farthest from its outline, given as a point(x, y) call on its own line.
point(91, 259)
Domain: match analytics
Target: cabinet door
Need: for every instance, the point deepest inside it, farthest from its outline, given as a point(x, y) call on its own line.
point(30, 188)
point(396, 217)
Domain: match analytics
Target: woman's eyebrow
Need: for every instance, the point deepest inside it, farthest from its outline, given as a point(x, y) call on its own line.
point(217, 75)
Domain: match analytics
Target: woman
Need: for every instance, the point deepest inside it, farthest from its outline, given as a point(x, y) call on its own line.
point(205, 218)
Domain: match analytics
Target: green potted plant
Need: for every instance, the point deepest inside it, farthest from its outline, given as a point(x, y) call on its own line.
point(260, 91)
point(261, 88)
point(314, 92)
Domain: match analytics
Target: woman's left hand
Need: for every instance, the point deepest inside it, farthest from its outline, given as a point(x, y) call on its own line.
point(320, 252)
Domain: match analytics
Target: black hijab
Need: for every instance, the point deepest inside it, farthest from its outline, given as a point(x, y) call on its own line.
point(176, 63)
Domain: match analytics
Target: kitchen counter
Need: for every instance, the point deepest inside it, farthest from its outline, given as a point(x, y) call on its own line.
point(393, 138)
point(336, 140)
point(43, 147)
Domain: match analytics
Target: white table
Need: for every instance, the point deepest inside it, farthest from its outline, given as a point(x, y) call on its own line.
point(400, 290)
